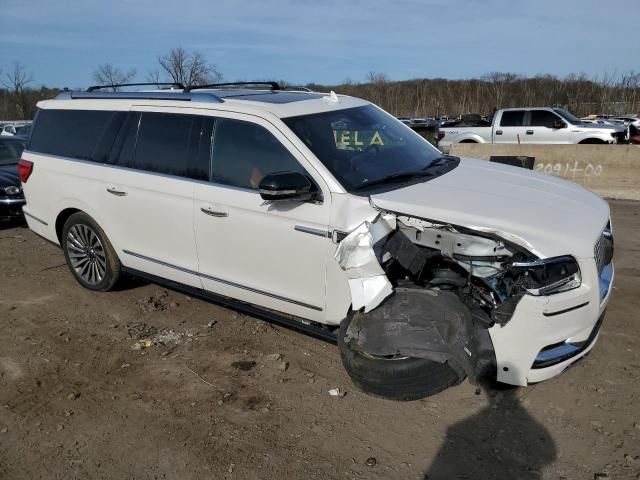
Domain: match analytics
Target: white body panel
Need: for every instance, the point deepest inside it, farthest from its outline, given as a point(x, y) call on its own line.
point(280, 256)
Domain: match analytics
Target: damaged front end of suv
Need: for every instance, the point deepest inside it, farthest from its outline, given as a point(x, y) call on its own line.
point(430, 290)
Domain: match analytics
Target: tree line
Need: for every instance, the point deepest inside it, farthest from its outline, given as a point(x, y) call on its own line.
point(615, 93)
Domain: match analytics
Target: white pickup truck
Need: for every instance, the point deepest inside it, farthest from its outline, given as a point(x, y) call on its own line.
point(528, 125)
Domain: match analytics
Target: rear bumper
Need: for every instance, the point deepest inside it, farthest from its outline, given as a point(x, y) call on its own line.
point(11, 209)
point(548, 334)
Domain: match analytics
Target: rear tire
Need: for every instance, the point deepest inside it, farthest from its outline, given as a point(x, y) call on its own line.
point(395, 379)
point(89, 254)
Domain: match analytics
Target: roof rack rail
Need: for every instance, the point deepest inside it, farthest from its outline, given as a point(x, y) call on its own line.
point(93, 88)
point(273, 85)
point(176, 96)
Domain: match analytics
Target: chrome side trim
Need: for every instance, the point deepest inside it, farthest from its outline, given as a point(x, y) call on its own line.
point(312, 231)
point(261, 292)
point(35, 218)
point(160, 262)
point(220, 280)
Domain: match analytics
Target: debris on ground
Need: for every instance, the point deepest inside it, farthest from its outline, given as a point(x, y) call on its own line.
point(336, 392)
point(273, 357)
point(73, 396)
point(372, 462)
point(158, 302)
point(138, 330)
point(211, 323)
point(142, 344)
point(162, 337)
point(284, 366)
point(245, 366)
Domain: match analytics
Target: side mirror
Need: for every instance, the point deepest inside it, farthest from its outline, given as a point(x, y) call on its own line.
point(559, 124)
point(286, 186)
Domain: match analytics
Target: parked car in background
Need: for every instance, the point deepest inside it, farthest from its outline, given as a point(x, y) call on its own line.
point(23, 131)
point(628, 120)
point(529, 125)
point(7, 130)
point(11, 197)
point(603, 121)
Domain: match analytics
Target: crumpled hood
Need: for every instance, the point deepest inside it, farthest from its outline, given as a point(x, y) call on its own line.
point(9, 176)
point(547, 215)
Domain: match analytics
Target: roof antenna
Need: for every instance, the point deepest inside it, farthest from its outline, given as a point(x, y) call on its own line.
point(332, 97)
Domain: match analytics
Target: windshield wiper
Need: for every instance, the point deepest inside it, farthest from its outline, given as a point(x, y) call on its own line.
point(396, 177)
point(430, 170)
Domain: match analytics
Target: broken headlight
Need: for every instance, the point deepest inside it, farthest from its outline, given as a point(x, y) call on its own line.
point(548, 276)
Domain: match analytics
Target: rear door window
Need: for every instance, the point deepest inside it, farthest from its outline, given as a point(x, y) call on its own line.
point(173, 144)
point(71, 133)
point(163, 143)
point(244, 152)
point(512, 118)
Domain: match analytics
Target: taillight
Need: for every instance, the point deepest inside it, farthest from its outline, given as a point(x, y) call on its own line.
point(440, 135)
point(25, 167)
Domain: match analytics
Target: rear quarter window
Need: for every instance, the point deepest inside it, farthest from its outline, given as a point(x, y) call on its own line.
point(71, 133)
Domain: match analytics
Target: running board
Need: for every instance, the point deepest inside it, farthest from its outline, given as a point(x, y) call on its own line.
point(267, 315)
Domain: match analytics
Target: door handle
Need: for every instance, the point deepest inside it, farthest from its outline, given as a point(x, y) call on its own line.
point(214, 213)
point(116, 192)
point(498, 132)
point(529, 132)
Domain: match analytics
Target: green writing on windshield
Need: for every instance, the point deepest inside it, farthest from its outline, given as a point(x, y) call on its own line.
point(357, 139)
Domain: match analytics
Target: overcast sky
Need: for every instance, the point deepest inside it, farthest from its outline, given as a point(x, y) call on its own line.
point(62, 41)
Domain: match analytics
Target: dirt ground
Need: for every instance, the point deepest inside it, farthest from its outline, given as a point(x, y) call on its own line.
point(222, 395)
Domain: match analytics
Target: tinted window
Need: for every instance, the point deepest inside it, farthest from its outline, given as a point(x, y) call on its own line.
point(69, 133)
point(244, 152)
point(10, 151)
point(543, 118)
point(365, 146)
point(512, 118)
point(124, 146)
point(174, 144)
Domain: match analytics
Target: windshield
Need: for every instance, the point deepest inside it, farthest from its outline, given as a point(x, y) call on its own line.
point(10, 152)
point(365, 146)
point(569, 117)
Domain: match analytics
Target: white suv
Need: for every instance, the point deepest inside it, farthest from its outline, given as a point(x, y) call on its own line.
point(324, 212)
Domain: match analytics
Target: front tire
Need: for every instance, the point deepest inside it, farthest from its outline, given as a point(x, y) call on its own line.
point(402, 379)
point(89, 254)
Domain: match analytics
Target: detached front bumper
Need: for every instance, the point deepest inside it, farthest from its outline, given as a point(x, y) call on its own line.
point(11, 208)
point(547, 334)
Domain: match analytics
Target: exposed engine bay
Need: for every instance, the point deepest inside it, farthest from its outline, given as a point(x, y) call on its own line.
point(473, 280)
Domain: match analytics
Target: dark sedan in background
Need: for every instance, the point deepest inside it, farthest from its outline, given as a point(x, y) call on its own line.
point(11, 197)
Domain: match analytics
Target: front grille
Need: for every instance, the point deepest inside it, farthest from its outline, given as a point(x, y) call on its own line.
point(603, 250)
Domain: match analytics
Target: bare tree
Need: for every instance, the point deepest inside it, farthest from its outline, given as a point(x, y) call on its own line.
point(189, 68)
point(108, 75)
point(154, 76)
point(16, 82)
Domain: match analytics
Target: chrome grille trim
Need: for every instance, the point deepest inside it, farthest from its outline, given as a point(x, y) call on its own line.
point(600, 253)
